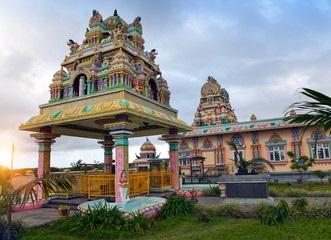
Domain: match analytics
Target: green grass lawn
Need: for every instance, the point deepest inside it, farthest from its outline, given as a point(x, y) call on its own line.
point(188, 228)
point(312, 186)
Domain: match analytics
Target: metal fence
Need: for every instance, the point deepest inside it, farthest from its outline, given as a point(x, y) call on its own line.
point(103, 185)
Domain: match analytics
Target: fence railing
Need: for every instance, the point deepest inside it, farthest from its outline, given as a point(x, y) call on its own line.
point(103, 185)
point(161, 180)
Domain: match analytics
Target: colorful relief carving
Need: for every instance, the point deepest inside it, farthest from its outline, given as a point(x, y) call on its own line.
point(238, 140)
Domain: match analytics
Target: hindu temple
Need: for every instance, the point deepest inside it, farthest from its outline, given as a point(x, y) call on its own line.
point(108, 88)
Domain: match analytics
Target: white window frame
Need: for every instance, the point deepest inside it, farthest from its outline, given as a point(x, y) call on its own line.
point(276, 150)
point(321, 148)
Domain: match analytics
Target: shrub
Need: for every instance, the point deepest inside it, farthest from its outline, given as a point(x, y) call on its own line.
point(232, 209)
point(316, 210)
point(298, 207)
point(273, 192)
point(203, 217)
point(297, 192)
point(101, 217)
point(18, 228)
point(177, 205)
point(259, 208)
point(212, 192)
point(138, 223)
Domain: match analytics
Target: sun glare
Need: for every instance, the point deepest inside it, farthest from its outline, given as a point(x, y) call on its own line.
point(5, 157)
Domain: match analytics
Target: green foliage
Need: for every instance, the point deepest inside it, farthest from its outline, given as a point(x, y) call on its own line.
point(77, 166)
point(276, 215)
point(63, 206)
point(212, 192)
point(232, 209)
point(138, 223)
point(298, 207)
point(297, 192)
point(177, 206)
point(320, 175)
point(259, 208)
point(316, 210)
point(203, 217)
point(316, 112)
point(17, 229)
point(101, 217)
point(253, 162)
point(273, 192)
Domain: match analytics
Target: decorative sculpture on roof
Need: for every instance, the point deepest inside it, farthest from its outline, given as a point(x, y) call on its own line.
point(96, 17)
point(214, 107)
point(72, 45)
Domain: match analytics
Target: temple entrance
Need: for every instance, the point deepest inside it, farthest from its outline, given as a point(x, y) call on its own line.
point(152, 89)
point(79, 86)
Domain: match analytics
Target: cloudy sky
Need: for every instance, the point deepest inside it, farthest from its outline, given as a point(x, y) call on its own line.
point(261, 52)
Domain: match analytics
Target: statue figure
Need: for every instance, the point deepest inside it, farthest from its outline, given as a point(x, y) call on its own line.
point(72, 45)
point(124, 185)
point(136, 23)
point(96, 17)
point(135, 85)
point(152, 55)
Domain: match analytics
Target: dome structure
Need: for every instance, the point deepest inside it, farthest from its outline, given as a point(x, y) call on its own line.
point(112, 21)
point(147, 146)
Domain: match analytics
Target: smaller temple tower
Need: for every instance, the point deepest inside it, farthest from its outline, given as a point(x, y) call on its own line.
point(214, 107)
point(145, 159)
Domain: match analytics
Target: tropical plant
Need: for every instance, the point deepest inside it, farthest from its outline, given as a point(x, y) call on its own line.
point(241, 162)
point(232, 209)
point(318, 210)
point(177, 206)
point(301, 164)
point(76, 166)
point(259, 208)
point(212, 192)
point(316, 112)
point(298, 207)
point(101, 217)
point(277, 216)
point(138, 223)
point(11, 197)
point(320, 175)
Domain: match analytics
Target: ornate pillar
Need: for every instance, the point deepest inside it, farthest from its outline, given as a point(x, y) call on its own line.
point(82, 81)
point(121, 129)
point(173, 140)
point(107, 145)
point(122, 163)
point(44, 140)
point(89, 86)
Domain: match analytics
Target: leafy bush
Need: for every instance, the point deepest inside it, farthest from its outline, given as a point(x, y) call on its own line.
point(316, 210)
point(177, 206)
point(18, 228)
point(101, 217)
point(138, 223)
point(232, 209)
point(212, 192)
point(297, 192)
point(298, 207)
point(259, 208)
point(273, 192)
point(203, 217)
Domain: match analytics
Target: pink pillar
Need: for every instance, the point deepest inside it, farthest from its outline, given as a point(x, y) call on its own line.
point(44, 141)
point(122, 163)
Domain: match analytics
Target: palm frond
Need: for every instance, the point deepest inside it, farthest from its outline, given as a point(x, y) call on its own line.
point(259, 161)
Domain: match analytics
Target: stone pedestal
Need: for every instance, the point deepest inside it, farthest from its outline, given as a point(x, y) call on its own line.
point(245, 188)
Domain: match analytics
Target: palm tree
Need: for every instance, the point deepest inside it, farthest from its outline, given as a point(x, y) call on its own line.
point(317, 112)
point(241, 162)
point(10, 197)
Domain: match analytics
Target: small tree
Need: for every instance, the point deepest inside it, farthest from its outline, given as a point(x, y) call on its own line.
point(320, 175)
point(20, 196)
point(301, 164)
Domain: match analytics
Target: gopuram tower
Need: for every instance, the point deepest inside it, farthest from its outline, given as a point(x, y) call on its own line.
point(214, 107)
point(108, 88)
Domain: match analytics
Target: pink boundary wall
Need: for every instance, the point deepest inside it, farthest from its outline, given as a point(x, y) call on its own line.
point(118, 170)
point(29, 206)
